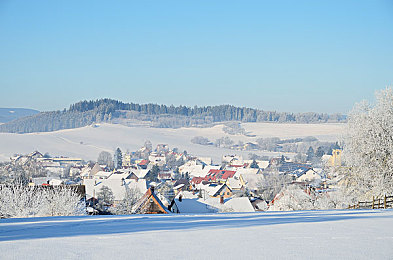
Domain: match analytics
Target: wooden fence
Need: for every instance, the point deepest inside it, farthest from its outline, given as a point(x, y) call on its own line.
point(377, 203)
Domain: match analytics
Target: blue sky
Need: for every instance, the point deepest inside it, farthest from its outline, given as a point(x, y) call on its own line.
point(294, 56)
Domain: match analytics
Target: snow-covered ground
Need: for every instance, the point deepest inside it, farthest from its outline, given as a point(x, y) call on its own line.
point(345, 234)
point(88, 142)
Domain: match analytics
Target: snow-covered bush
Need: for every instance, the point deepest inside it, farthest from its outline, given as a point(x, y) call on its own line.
point(292, 198)
point(368, 148)
point(30, 201)
point(332, 200)
point(62, 201)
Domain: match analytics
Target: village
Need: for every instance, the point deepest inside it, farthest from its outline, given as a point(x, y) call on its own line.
point(166, 181)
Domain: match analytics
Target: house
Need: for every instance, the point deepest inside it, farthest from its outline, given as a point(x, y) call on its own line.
point(185, 182)
point(259, 204)
point(102, 175)
point(143, 164)
point(309, 175)
point(150, 204)
point(164, 176)
point(217, 191)
point(184, 206)
point(241, 204)
point(96, 168)
point(35, 155)
point(251, 181)
point(162, 148)
point(157, 159)
point(232, 159)
point(140, 173)
point(118, 187)
point(333, 160)
point(235, 184)
point(126, 160)
point(123, 174)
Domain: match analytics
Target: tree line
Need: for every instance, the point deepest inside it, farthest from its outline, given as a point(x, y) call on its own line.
point(86, 113)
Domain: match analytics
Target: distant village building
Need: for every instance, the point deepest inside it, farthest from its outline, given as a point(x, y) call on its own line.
point(150, 204)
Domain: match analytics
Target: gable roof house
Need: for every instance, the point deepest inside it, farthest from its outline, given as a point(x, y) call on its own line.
point(150, 204)
point(241, 204)
point(309, 175)
point(118, 187)
point(182, 205)
point(215, 190)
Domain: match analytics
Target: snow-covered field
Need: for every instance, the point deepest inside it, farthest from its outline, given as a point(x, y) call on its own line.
point(88, 142)
point(345, 234)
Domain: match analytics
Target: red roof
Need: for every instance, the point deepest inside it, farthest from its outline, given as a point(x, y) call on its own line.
point(144, 162)
point(197, 180)
point(213, 175)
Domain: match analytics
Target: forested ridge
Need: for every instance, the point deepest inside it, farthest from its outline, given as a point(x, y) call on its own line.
point(85, 113)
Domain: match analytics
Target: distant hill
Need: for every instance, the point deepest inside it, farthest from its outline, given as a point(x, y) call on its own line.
point(10, 114)
point(113, 111)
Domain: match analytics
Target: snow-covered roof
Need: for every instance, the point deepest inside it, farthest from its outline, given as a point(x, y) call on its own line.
point(118, 187)
point(251, 180)
point(194, 206)
point(102, 175)
point(234, 183)
point(309, 175)
point(247, 171)
point(241, 204)
point(140, 173)
point(118, 175)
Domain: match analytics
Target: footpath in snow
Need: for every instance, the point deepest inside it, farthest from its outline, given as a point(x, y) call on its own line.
point(339, 234)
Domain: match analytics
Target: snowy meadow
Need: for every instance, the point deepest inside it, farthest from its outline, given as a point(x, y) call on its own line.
point(345, 234)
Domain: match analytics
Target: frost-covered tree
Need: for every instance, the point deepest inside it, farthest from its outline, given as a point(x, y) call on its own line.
point(130, 199)
point(105, 198)
point(30, 201)
point(271, 184)
point(368, 147)
point(118, 158)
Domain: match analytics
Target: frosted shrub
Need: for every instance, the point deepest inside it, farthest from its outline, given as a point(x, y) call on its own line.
point(62, 201)
point(332, 200)
point(292, 198)
point(30, 201)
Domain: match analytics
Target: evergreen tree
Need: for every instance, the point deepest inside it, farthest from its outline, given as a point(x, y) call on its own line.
point(118, 158)
point(105, 198)
point(310, 154)
point(254, 165)
point(320, 152)
point(153, 174)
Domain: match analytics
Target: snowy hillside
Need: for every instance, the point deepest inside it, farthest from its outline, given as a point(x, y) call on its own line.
point(9, 114)
point(88, 142)
point(361, 234)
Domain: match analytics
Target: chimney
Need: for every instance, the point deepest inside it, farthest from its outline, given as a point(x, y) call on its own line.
point(222, 199)
point(180, 198)
point(152, 189)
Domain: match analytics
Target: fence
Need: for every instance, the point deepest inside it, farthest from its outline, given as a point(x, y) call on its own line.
point(377, 203)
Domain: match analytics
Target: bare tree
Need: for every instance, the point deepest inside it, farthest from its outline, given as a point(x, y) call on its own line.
point(105, 158)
